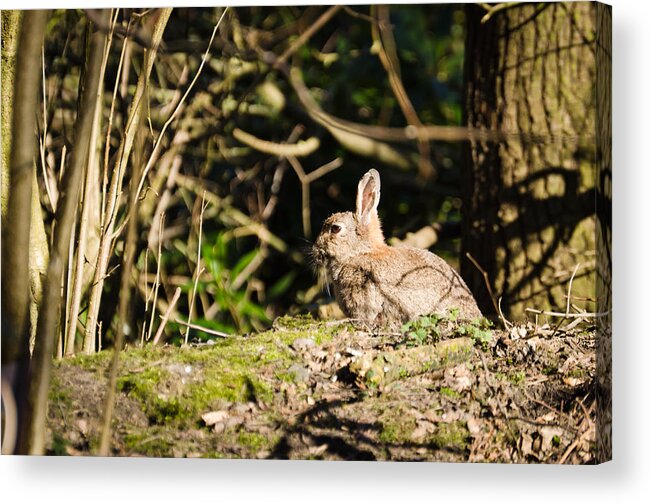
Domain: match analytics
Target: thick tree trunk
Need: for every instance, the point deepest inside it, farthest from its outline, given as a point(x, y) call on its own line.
point(529, 203)
point(38, 244)
point(18, 177)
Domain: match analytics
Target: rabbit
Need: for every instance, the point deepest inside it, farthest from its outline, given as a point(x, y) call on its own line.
point(380, 285)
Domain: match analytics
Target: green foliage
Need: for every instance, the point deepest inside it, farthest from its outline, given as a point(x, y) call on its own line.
point(423, 330)
point(429, 329)
point(479, 330)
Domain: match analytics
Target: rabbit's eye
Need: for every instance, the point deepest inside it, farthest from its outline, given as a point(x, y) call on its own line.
point(335, 228)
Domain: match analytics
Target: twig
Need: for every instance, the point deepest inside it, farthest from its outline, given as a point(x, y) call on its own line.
point(198, 269)
point(107, 143)
point(306, 180)
point(85, 197)
point(161, 135)
point(159, 260)
point(486, 281)
point(306, 35)
point(383, 38)
point(278, 175)
point(43, 140)
point(203, 329)
point(494, 9)
point(569, 300)
point(506, 323)
point(548, 406)
point(250, 268)
point(567, 315)
point(107, 238)
point(352, 12)
point(300, 149)
point(323, 170)
point(166, 316)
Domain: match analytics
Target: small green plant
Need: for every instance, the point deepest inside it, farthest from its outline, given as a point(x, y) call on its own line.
point(479, 330)
point(422, 330)
point(429, 329)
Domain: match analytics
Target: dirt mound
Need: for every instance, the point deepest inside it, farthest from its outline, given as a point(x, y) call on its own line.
point(440, 389)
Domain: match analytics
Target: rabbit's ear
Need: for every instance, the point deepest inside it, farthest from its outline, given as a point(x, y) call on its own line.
point(368, 196)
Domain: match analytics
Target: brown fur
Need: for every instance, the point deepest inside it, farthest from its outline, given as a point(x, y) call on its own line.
point(382, 285)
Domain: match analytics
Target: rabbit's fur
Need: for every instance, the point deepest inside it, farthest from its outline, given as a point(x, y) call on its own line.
point(381, 285)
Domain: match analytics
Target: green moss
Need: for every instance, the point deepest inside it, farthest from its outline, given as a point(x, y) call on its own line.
point(454, 435)
point(59, 445)
point(254, 440)
point(446, 391)
point(151, 444)
point(143, 386)
point(517, 377)
point(577, 373)
point(289, 329)
point(396, 424)
point(92, 362)
point(58, 394)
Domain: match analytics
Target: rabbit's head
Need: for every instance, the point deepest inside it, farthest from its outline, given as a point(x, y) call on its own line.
point(347, 234)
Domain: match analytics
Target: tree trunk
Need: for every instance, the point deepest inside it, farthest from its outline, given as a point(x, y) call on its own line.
point(20, 86)
point(529, 202)
point(38, 244)
point(32, 436)
point(604, 233)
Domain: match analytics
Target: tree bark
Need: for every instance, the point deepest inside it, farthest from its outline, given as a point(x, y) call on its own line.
point(529, 205)
point(39, 253)
point(604, 233)
point(32, 436)
point(19, 148)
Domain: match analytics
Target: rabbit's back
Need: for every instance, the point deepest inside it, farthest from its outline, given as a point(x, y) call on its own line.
point(391, 285)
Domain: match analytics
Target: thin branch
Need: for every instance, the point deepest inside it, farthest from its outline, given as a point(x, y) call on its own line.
point(77, 284)
point(42, 141)
point(198, 269)
point(568, 315)
point(569, 300)
point(161, 135)
point(388, 54)
point(166, 316)
point(486, 281)
point(203, 329)
point(300, 149)
point(494, 9)
point(124, 151)
point(159, 260)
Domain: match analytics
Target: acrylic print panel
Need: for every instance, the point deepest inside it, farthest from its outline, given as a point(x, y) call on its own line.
point(325, 232)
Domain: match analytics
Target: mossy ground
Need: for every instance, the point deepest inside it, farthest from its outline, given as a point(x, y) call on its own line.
point(292, 392)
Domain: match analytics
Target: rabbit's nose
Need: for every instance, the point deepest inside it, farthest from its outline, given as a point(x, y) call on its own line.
point(318, 254)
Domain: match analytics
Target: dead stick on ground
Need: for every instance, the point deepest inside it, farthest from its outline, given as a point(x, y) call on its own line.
point(567, 315)
point(203, 329)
